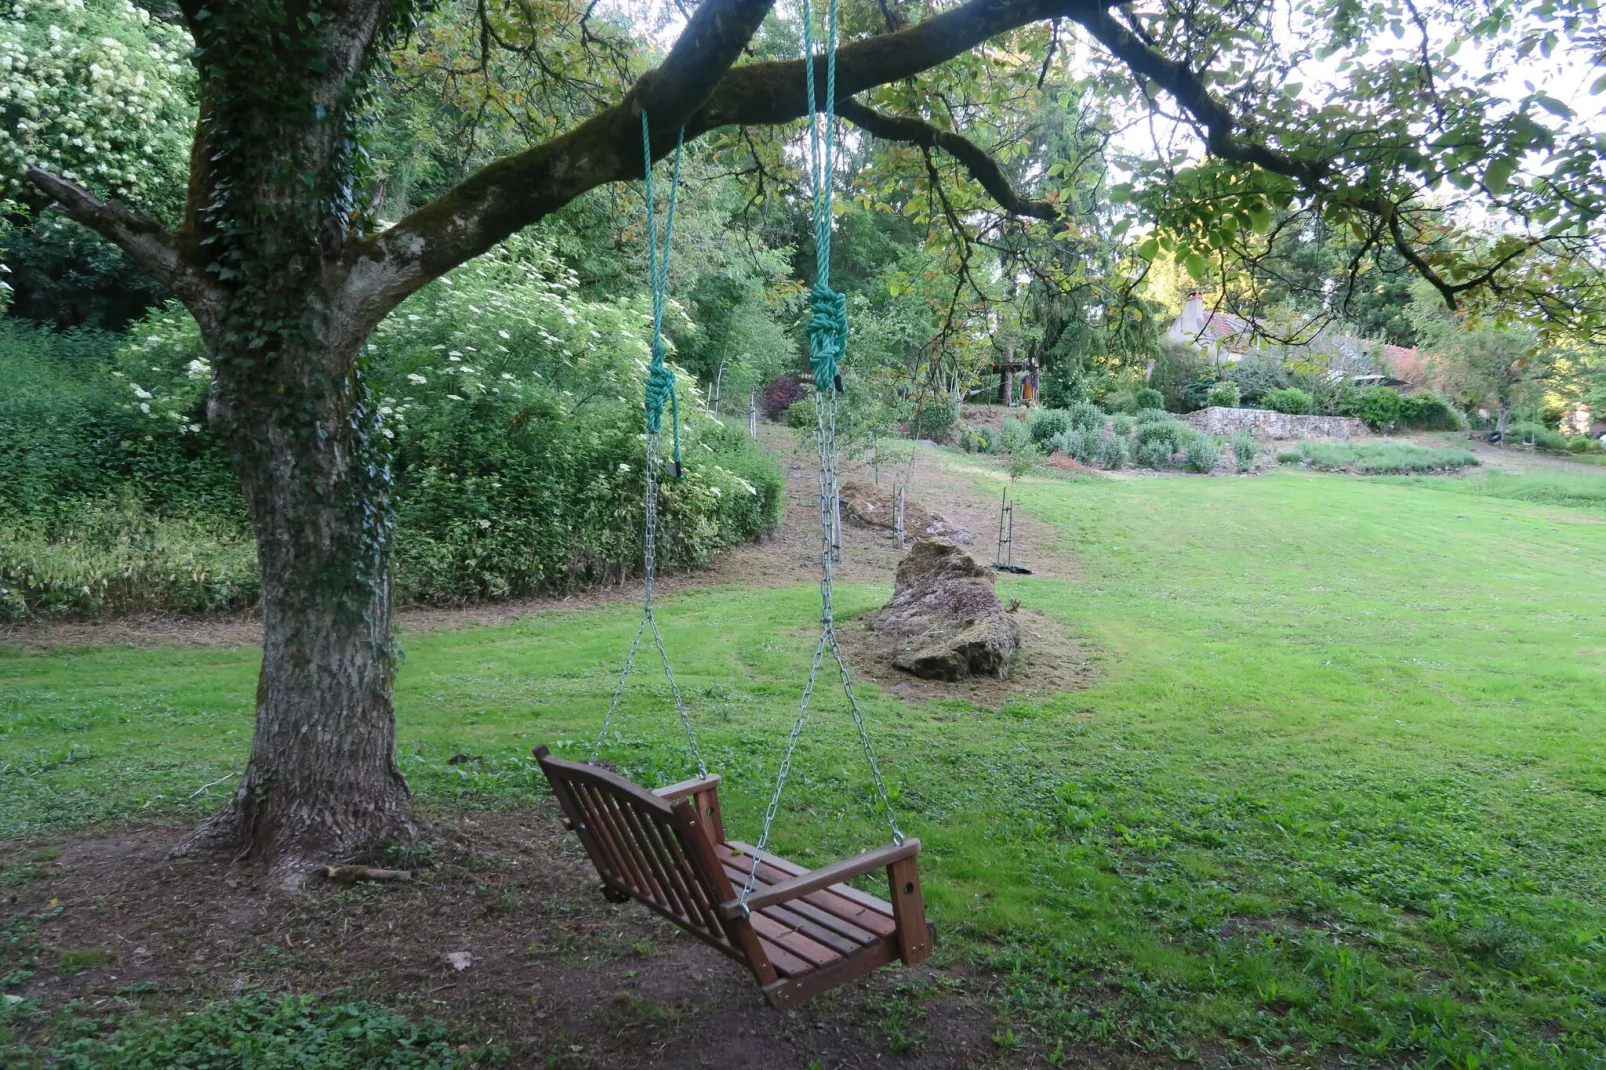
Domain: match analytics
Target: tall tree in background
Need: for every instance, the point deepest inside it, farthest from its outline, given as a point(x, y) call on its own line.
point(275, 253)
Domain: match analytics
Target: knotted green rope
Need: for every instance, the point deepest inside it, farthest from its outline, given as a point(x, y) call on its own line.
point(660, 377)
point(828, 315)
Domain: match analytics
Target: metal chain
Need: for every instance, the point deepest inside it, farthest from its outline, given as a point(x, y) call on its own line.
point(825, 410)
point(649, 559)
point(825, 425)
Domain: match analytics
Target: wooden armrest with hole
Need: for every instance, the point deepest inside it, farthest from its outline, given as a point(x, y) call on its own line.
point(687, 788)
point(815, 879)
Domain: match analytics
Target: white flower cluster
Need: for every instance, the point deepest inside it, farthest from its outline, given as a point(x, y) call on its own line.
point(96, 91)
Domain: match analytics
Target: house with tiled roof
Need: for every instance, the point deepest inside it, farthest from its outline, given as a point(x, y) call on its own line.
point(1224, 338)
point(1220, 336)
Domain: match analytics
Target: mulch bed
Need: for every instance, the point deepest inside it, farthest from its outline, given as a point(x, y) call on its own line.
point(558, 976)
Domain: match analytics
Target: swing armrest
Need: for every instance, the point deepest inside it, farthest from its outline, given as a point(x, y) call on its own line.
point(815, 879)
point(687, 788)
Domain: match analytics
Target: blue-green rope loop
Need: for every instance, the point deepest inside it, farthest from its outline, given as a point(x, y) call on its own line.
point(828, 309)
point(660, 377)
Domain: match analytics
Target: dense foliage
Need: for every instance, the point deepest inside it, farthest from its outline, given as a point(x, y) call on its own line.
point(512, 406)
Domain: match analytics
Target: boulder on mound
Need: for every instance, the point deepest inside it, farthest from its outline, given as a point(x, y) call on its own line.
point(946, 617)
point(872, 506)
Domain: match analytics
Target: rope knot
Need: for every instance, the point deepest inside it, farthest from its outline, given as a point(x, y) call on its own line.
point(828, 334)
point(660, 392)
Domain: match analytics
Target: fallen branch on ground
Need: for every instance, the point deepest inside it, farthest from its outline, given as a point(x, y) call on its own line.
point(352, 874)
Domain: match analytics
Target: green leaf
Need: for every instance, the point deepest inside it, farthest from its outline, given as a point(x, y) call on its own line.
point(1599, 86)
point(1195, 264)
point(1553, 106)
point(1498, 176)
point(1149, 249)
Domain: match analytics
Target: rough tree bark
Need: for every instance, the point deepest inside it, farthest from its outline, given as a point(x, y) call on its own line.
point(286, 288)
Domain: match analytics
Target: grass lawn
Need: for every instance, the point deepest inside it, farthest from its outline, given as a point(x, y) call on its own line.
point(1340, 785)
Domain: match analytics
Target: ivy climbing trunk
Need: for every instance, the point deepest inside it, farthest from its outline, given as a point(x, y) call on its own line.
point(322, 781)
point(278, 160)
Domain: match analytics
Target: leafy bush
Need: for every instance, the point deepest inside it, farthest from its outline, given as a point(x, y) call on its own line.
point(1119, 401)
point(84, 415)
point(1379, 407)
point(1155, 453)
point(1112, 453)
point(1085, 415)
point(1151, 416)
point(1244, 449)
point(1289, 456)
point(1378, 458)
point(1257, 375)
point(1121, 424)
point(1022, 459)
point(1225, 394)
point(1202, 453)
point(1584, 444)
point(1185, 435)
point(1081, 444)
point(781, 394)
point(975, 440)
point(1149, 398)
point(116, 556)
point(1046, 424)
point(513, 408)
point(934, 419)
point(1013, 435)
point(1290, 400)
point(1426, 412)
point(799, 415)
point(1169, 432)
point(1536, 435)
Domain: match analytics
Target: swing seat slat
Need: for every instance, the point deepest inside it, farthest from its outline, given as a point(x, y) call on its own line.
point(804, 931)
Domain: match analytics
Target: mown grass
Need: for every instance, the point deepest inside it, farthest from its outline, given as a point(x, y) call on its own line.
point(1340, 786)
point(1581, 490)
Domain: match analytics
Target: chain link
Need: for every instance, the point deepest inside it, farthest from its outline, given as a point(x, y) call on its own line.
point(649, 559)
point(825, 405)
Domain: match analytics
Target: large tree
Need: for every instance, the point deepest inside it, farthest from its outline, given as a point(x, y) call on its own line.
point(276, 257)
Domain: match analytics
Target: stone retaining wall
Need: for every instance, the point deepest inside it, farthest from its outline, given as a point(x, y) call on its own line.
point(1262, 423)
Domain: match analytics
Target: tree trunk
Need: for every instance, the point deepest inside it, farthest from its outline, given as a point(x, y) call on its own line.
point(322, 783)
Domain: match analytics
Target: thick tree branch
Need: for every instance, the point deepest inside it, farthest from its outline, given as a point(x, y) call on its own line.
point(1190, 91)
point(141, 237)
point(519, 190)
point(695, 85)
point(982, 167)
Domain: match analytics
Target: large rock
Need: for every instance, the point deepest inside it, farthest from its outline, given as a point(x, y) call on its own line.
point(945, 616)
point(872, 506)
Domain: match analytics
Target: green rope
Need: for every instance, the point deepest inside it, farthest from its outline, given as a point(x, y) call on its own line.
point(660, 377)
point(828, 309)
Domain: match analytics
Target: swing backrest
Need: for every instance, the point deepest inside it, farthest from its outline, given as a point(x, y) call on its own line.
point(658, 853)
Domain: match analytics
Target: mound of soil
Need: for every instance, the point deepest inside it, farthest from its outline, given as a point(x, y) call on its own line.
point(946, 617)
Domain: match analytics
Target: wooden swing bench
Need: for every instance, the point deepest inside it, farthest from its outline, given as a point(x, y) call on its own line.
point(801, 931)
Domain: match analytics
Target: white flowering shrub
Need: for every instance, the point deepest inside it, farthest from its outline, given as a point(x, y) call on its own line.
point(515, 406)
point(99, 92)
point(511, 407)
